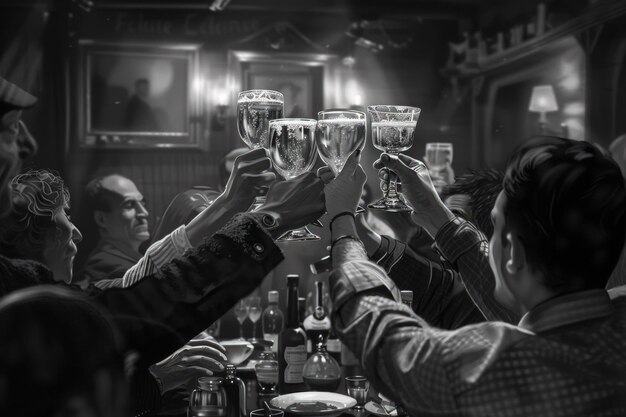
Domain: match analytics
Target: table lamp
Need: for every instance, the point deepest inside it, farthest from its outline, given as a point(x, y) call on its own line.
point(542, 101)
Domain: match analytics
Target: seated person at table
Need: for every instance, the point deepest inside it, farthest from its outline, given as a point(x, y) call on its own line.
point(59, 356)
point(119, 212)
point(559, 226)
point(194, 289)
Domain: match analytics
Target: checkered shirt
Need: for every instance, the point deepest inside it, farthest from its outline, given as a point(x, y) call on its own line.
point(567, 357)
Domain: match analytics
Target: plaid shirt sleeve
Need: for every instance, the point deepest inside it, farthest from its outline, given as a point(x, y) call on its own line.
point(463, 245)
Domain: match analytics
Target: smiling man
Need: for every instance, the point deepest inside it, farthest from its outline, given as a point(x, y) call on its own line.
point(119, 211)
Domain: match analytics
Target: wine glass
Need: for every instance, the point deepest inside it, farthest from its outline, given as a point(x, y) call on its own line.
point(393, 129)
point(255, 108)
point(358, 387)
point(339, 133)
point(254, 313)
point(292, 150)
point(241, 312)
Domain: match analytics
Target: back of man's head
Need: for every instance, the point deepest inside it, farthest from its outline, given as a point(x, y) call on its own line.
point(566, 202)
point(481, 188)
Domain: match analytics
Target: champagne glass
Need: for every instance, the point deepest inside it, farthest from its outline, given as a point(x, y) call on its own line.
point(292, 150)
point(241, 312)
point(339, 133)
point(393, 129)
point(255, 108)
point(254, 313)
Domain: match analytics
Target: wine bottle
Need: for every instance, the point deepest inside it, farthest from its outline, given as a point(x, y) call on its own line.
point(318, 323)
point(273, 320)
point(235, 393)
point(291, 344)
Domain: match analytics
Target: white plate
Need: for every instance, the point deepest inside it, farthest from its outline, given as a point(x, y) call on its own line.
point(377, 410)
point(342, 402)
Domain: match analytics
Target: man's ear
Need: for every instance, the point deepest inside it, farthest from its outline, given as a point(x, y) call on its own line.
point(515, 254)
point(99, 217)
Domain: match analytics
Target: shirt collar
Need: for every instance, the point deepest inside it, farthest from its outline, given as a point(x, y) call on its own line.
point(567, 309)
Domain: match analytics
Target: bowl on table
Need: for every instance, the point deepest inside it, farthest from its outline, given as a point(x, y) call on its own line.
point(237, 351)
point(313, 403)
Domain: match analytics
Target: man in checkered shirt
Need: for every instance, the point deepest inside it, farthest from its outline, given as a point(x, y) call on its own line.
point(559, 227)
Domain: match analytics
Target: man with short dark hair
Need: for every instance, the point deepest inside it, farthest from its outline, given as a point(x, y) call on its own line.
point(119, 212)
point(559, 226)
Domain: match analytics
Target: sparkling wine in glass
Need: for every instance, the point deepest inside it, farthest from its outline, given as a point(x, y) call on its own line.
point(293, 152)
point(255, 108)
point(393, 129)
point(254, 313)
point(241, 312)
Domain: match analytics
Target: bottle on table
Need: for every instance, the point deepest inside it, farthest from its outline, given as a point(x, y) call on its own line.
point(266, 370)
point(291, 344)
point(407, 298)
point(321, 371)
point(273, 320)
point(208, 399)
point(317, 324)
point(235, 393)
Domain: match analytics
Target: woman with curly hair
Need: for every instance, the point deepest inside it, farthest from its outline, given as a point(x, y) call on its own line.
point(39, 227)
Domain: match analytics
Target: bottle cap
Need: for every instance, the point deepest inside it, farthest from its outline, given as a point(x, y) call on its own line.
point(406, 296)
point(231, 370)
point(272, 296)
point(293, 279)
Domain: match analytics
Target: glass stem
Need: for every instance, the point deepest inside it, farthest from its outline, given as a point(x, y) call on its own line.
point(241, 330)
point(254, 330)
point(392, 190)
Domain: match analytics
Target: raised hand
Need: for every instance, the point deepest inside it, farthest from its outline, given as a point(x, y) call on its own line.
point(297, 202)
point(344, 192)
point(249, 175)
point(418, 189)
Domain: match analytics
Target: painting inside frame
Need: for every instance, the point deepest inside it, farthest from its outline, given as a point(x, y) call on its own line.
point(139, 96)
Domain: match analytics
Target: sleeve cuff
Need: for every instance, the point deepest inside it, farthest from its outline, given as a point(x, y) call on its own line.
point(180, 240)
point(457, 237)
point(249, 234)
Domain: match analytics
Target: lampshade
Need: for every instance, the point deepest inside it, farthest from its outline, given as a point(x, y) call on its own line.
point(543, 99)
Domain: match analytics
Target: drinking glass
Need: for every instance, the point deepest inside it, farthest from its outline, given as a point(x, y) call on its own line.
point(255, 108)
point(393, 129)
point(261, 413)
point(339, 132)
point(241, 312)
point(438, 156)
point(357, 387)
point(292, 150)
point(254, 313)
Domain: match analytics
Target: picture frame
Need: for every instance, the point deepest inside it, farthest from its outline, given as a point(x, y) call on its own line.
point(138, 96)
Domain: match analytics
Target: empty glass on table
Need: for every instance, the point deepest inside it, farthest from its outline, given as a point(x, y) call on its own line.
point(254, 313)
point(393, 129)
point(241, 312)
point(358, 387)
point(339, 132)
point(255, 108)
point(293, 152)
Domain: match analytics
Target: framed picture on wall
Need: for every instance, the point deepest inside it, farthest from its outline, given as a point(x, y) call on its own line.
point(133, 95)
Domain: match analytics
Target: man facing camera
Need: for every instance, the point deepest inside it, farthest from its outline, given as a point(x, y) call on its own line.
point(559, 226)
point(119, 211)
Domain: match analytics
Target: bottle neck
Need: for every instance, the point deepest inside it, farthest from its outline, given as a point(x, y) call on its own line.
point(292, 307)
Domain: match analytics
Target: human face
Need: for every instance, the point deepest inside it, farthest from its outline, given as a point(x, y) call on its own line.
point(60, 249)
point(16, 144)
point(499, 255)
point(127, 222)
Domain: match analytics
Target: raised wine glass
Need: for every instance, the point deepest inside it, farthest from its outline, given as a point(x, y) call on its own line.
point(339, 133)
point(293, 152)
point(254, 313)
point(393, 129)
point(241, 312)
point(255, 108)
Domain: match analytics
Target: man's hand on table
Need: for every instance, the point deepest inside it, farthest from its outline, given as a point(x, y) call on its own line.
point(201, 356)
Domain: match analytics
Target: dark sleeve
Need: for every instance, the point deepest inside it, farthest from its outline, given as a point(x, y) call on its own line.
point(432, 285)
point(194, 291)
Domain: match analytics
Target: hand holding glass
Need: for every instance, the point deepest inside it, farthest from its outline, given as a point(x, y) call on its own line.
point(393, 129)
point(338, 134)
point(293, 152)
point(255, 108)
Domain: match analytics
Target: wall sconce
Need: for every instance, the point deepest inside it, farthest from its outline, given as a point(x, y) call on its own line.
point(542, 101)
point(220, 114)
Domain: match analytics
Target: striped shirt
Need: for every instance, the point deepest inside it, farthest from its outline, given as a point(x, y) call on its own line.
point(566, 357)
point(157, 255)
